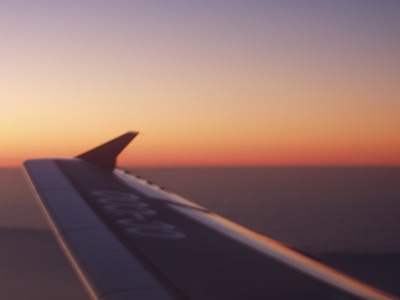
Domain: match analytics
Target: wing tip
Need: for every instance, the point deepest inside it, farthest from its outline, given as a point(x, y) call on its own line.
point(105, 155)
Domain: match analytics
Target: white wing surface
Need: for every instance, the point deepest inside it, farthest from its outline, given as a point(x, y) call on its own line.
point(129, 239)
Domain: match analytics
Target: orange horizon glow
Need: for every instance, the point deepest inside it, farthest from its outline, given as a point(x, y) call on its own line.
point(254, 83)
point(141, 154)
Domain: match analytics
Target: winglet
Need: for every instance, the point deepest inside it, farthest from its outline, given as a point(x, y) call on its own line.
point(105, 155)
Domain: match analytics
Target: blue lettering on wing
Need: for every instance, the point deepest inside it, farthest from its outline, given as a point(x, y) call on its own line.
point(134, 216)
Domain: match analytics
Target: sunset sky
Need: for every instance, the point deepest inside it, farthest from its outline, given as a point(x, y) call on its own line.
point(204, 82)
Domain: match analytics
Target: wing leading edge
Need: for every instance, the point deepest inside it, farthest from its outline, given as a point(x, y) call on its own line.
point(128, 239)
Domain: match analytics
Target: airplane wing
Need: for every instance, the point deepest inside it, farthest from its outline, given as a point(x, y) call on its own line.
point(129, 239)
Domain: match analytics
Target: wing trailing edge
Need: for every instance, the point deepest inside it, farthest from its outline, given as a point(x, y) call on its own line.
point(105, 155)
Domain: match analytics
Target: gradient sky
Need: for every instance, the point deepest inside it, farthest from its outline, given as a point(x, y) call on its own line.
point(205, 82)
